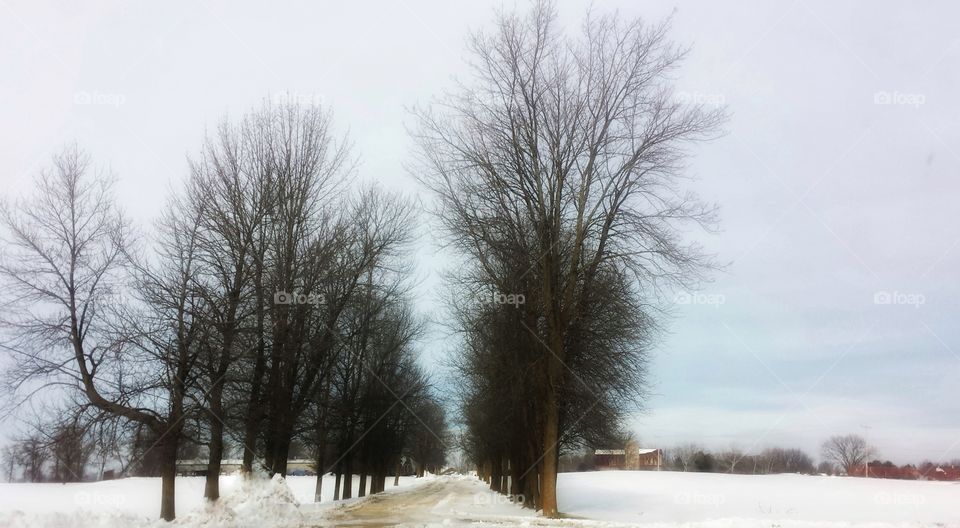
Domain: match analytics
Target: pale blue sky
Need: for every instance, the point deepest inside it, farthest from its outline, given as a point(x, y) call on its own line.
point(837, 179)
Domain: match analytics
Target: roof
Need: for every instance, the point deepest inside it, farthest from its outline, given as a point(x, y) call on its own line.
point(609, 452)
point(641, 451)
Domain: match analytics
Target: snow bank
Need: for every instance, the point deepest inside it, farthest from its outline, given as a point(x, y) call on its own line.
point(135, 503)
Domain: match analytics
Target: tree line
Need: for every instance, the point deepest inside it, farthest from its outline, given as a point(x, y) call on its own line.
point(268, 307)
point(558, 175)
point(271, 306)
point(847, 454)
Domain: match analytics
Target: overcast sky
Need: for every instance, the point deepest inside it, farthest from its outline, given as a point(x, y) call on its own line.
point(837, 178)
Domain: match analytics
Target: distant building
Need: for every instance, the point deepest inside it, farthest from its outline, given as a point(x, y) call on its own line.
point(649, 458)
point(198, 467)
point(630, 458)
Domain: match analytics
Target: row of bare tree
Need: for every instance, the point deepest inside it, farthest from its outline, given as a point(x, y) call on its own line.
point(269, 305)
point(64, 448)
point(557, 173)
point(839, 454)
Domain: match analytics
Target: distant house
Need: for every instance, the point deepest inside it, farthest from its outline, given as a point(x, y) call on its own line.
point(630, 458)
point(649, 458)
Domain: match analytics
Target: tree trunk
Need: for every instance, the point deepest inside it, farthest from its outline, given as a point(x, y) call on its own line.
point(348, 481)
point(320, 472)
point(531, 493)
point(516, 486)
point(496, 468)
point(318, 488)
point(168, 476)
point(396, 476)
point(211, 490)
point(336, 485)
point(254, 412)
point(282, 436)
point(548, 477)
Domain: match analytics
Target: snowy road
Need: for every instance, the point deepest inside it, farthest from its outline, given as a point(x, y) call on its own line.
point(440, 502)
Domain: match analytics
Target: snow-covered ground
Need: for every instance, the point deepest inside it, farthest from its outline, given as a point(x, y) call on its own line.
point(704, 499)
point(135, 502)
point(599, 499)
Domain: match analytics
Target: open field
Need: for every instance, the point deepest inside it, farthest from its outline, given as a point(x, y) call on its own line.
point(772, 500)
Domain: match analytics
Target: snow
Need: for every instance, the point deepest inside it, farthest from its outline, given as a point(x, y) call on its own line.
point(135, 502)
point(598, 499)
point(717, 500)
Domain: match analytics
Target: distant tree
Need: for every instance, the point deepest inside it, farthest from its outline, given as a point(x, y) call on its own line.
point(704, 462)
point(683, 456)
point(9, 458)
point(826, 468)
point(729, 460)
point(70, 448)
point(849, 452)
point(111, 439)
point(32, 455)
point(429, 451)
point(779, 460)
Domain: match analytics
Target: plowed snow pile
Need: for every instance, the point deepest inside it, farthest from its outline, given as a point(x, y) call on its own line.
point(254, 502)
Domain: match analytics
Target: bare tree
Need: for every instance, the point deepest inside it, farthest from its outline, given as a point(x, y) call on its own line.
point(9, 458)
point(682, 457)
point(780, 460)
point(849, 452)
point(571, 148)
point(729, 460)
point(230, 193)
point(64, 272)
point(32, 454)
point(70, 448)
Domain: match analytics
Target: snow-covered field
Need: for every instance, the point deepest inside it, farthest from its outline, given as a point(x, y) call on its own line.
point(702, 499)
point(598, 499)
